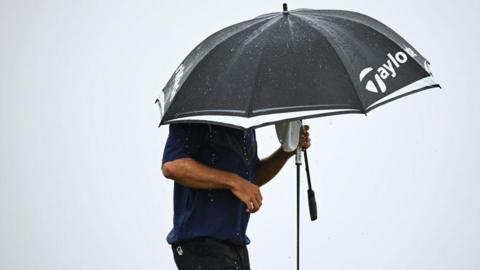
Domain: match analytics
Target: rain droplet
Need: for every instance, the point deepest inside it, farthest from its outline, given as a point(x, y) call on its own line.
point(213, 159)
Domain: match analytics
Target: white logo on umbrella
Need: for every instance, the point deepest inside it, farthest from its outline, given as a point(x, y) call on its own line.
point(389, 69)
point(410, 51)
point(176, 82)
point(167, 98)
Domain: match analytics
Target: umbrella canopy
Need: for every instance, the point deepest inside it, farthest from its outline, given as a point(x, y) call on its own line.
point(293, 65)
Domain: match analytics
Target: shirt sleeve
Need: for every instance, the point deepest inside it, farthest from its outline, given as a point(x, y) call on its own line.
point(184, 140)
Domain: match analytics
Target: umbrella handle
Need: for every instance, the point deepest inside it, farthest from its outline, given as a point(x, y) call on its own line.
point(312, 203)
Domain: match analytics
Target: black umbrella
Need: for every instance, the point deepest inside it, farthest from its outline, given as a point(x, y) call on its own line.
point(293, 65)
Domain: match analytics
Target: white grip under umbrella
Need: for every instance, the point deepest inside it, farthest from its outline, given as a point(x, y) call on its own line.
point(288, 134)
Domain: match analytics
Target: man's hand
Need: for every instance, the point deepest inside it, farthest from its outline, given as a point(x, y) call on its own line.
point(304, 141)
point(248, 193)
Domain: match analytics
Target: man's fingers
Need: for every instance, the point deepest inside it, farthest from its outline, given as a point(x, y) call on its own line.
point(304, 132)
point(259, 199)
point(251, 196)
point(258, 194)
point(250, 207)
point(304, 137)
point(256, 205)
point(255, 202)
point(306, 143)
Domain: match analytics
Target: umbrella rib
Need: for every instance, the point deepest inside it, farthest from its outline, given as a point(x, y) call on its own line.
point(340, 54)
point(255, 81)
point(241, 48)
point(248, 40)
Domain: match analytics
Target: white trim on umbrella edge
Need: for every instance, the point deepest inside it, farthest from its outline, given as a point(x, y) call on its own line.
point(416, 85)
point(248, 122)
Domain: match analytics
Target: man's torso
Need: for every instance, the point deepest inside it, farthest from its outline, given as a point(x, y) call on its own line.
point(213, 213)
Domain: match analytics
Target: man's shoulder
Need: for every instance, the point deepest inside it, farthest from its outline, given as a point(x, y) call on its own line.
point(190, 128)
point(201, 129)
point(189, 125)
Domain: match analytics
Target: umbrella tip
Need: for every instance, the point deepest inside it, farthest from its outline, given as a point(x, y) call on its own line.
point(285, 8)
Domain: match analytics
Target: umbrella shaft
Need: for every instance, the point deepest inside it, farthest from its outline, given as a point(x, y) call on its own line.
point(298, 216)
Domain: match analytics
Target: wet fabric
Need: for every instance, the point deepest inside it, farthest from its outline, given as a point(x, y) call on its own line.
point(293, 65)
point(210, 254)
point(213, 213)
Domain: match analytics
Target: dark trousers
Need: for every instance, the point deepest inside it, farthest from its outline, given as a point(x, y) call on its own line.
point(210, 254)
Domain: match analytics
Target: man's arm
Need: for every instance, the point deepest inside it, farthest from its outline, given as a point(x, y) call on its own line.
point(270, 166)
point(193, 174)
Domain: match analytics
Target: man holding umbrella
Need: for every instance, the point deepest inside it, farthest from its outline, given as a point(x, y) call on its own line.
point(277, 67)
point(217, 176)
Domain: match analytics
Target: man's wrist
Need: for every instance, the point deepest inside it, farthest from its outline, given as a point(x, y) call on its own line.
point(287, 154)
point(232, 181)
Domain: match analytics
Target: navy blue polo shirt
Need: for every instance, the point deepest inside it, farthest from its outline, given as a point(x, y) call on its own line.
point(215, 213)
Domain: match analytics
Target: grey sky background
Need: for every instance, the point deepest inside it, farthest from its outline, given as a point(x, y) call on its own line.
point(80, 151)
